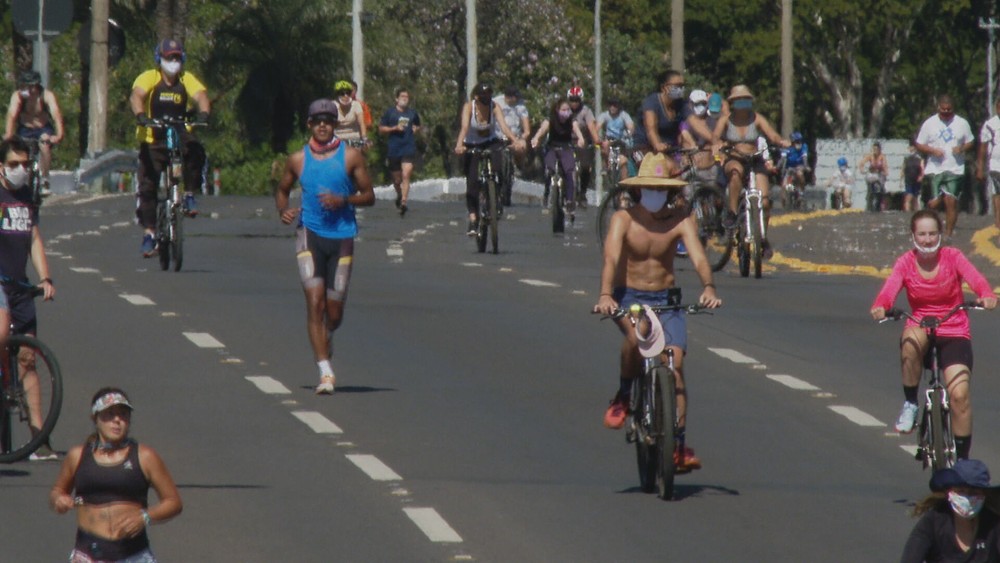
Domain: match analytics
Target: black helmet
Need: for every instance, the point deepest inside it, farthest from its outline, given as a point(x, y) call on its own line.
point(30, 78)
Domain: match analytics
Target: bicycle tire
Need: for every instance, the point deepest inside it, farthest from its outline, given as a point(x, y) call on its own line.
point(556, 198)
point(665, 428)
point(643, 450)
point(939, 451)
point(177, 239)
point(493, 213)
point(17, 439)
point(707, 206)
point(743, 250)
point(756, 250)
point(163, 235)
point(482, 226)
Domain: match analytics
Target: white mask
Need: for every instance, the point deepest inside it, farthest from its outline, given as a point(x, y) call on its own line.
point(170, 67)
point(25, 93)
point(653, 200)
point(927, 251)
point(700, 109)
point(16, 177)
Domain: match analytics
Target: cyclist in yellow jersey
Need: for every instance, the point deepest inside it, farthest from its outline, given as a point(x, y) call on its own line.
point(166, 92)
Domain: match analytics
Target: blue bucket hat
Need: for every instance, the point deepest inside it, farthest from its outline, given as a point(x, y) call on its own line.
point(965, 473)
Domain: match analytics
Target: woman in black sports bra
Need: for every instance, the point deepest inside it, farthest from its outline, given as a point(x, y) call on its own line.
point(107, 480)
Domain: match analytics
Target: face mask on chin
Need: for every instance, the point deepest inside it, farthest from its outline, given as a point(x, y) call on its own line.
point(652, 200)
point(170, 67)
point(17, 177)
point(924, 251)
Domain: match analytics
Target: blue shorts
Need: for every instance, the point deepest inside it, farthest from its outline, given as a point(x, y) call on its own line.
point(35, 133)
point(913, 188)
point(674, 322)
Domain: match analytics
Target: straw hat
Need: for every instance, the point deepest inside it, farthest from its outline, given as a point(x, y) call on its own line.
point(739, 91)
point(653, 174)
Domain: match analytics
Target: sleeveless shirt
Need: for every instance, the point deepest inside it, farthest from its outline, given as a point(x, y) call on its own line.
point(101, 484)
point(328, 175)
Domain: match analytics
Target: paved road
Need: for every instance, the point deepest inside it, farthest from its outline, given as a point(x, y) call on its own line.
point(467, 422)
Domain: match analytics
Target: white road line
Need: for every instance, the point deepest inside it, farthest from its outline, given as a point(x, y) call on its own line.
point(137, 299)
point(733, 356)
point(432, 525)
point(539, 283)
point(394, 251)
point(84, 270)
point(856, 416)
point(203, 340)
point(793, 382)
point(472, 264)
point(374, 468)
point(268, 384)
point(910, 449)
point(317, 422)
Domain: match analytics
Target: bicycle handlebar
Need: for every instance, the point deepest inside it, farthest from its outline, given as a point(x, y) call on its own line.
point(635, 309)
point(33, 290)
point(928, 321)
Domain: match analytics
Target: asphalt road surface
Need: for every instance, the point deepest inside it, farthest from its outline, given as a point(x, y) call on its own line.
point(466, 425)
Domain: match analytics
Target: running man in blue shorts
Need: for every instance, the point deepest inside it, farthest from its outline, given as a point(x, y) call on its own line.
point(638, 267)
point(334, 180)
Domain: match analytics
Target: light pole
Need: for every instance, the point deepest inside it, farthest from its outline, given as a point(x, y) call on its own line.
point(471, 47)
point(598, 94)
point(358, 48)
point(787, 82)
point(677, 35)
point(991, 27)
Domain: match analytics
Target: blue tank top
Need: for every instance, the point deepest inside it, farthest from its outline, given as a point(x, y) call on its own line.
point(327, 176)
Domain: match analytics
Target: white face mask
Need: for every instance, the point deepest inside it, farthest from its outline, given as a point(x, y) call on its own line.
point(653, 200)
point(924, 250)
point(16, 177)
point(25, 93)
point(170, 67)
point(965, 506)
point(700, 109)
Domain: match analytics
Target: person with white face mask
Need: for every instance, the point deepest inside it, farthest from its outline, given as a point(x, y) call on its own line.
point(958, 520)
point(21, 240)
point(34, 114)
point(932, 276)
point(167, 91)
point(639, 253)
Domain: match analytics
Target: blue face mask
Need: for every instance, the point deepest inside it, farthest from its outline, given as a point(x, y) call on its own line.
point(965, 506)
point(743, 104)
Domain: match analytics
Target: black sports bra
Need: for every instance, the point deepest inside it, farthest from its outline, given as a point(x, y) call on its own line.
point(101, 484)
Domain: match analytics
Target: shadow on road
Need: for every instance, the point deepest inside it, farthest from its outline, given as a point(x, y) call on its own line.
point(354, 389)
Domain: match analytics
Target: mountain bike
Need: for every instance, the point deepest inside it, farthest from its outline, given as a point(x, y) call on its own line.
point(507, 176)
point(935, 440)
point(652, 412)
point(751, 230)
point(876, 192)
point(170, 210)
point(36, 182)
point(559, 207)
point(30, 388)
point(489, 199)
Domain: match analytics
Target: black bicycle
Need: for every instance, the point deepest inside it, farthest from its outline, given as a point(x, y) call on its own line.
point(560, 208)
point(936, 442)
point(170, 211)
point(489, 199)
point(37, 184)
point(652, 412)
point(30, 388)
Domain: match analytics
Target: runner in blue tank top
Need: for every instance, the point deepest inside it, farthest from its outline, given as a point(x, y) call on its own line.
point(334, 180)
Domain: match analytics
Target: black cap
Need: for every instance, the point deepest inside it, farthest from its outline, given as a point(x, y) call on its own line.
point(322, 106)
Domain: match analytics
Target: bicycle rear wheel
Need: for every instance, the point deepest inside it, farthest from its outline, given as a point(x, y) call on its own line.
point(31, 400)
point(708, 206)
point(493, 214)
point(665, 430)
point(177, 239)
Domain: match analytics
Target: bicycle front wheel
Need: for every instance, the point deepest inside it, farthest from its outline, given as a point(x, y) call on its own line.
point(756, 249)
point(493, 213)
point(708, 206)
point(665, 430)
point(483, 227)
point(556, 202)
point(163, 234)
point(639, 416)
point(177, 239)
point(942, 444)
point(31, 399)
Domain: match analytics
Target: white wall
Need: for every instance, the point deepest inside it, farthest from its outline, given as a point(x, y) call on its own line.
point(829, 150)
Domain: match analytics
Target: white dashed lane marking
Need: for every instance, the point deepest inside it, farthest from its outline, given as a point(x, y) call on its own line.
point(793, 382)
point(317, 422)
point(374, 468)
point(268, 384)
point(432, 525)
point(539, 283)
point(84, 270)
point(910, 449)
point(137, 299)
point(857, 416)
point(733, 356)
point(203, 340)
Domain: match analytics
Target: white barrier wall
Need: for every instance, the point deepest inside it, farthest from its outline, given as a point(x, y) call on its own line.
point(829, 150)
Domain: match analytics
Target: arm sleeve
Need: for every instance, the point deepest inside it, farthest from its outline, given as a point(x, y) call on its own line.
point(191, 84)
point(147, 80)
point(971, 276)
point(918, 545)
point(890, 289)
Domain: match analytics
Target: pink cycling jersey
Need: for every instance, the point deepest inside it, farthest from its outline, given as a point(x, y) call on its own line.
point(938, 295)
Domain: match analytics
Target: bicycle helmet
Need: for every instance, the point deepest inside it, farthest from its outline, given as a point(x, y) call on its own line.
point(842, 162)
point(575, 92)
point(342, 87)
point(796, 137)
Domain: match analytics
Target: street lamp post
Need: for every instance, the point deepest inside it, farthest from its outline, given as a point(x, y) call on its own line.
point(358, 48)
point(598, 95)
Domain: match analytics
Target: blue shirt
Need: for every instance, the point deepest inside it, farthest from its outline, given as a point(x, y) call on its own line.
point(328, 175)
point(401, 143)
point(668, 129)
point(797, 157)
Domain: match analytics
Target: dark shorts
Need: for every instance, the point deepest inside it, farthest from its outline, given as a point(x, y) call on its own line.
point(674, 323)
point(913, 188)
point(22, 313)
point(110, 550)
point(953, 351)
point(396, 162)
point(35, 132)
point(325, 261)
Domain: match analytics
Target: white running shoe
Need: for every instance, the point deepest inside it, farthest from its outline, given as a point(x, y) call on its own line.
point(325, 386)
point(907, 418)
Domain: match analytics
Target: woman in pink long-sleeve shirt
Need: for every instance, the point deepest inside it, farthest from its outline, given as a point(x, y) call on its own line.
point(932, 277)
